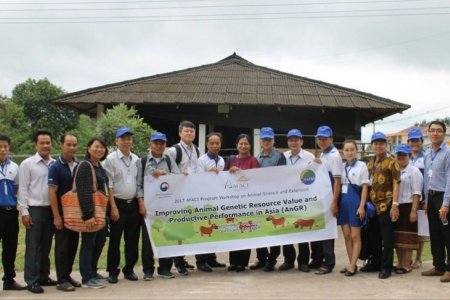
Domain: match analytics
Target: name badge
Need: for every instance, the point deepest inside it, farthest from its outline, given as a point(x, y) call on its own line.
point(129, 179)
point(344, 189)
point(430, 173)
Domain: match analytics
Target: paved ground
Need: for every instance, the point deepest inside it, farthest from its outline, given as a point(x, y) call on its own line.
point(290, 284)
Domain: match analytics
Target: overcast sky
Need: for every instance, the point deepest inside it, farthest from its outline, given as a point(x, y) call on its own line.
point(403, 58)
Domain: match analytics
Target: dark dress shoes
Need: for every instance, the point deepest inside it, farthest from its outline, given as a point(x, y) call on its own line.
point(257, 265)
point(384, 274)
point(35, 288)
point(216, 264)
point(48, 282)
point(131, 277)
point(13, 286)
point(113, 279)
point(204, 267)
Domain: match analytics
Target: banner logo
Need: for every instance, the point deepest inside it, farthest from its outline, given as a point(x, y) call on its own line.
point(308, 176)
point(164, 186)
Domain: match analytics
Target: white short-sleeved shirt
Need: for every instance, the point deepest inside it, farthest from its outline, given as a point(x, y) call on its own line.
point(300, 157)
point(205, 163)
point(411, 184)
point(418, 161)
point(357, 174)
point(333, 161)
point(189, 157)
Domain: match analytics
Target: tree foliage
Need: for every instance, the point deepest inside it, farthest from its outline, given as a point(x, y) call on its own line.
point(425, 123)
point(84, 132)
point(14, 123)
point(34, 97)
point(119, 116)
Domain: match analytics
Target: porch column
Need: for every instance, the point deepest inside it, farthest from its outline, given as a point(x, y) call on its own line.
point(202, 138)
point(256, 146)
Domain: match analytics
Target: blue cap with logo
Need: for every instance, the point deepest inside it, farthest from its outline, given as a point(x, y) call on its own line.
point(415, 133)
point(266, 133)
point(158, 136)
point(324, 131)
point(122, 131)
point(294, 133)
point(403, 148)
point(378, 136)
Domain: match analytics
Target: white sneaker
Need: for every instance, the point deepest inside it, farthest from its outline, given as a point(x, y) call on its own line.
point(93, 284)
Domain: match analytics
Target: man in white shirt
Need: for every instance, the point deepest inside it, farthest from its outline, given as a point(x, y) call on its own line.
point(36, 213)
point(296, 155)
point(121, 167)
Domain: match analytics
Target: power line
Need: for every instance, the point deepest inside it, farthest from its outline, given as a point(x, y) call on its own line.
point(224, 14)
point(413, 116)
point(224, 19)
point(183, 1)
point(200, 6)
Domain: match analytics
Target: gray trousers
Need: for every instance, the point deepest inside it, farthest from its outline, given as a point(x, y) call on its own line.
point(38, 242)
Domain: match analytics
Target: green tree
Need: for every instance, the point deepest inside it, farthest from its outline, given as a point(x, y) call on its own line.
point(120, 115)
point(34, 96)
point(84, 132)
point(425, 123)
point(13, 123)
point(157, 224)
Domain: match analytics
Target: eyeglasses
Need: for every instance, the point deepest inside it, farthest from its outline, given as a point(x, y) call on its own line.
point(435, 130)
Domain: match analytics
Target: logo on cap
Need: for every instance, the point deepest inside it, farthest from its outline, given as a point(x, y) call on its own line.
point(324, 131)
point(266, 133)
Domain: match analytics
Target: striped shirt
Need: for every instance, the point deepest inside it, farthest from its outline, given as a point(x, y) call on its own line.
point(437, 172)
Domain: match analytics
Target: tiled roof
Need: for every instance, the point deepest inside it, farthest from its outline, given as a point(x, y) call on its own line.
point(232, 80)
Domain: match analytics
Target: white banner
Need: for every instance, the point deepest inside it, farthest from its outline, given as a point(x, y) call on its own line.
point(208, 212)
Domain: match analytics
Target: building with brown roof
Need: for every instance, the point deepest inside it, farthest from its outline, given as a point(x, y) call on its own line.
point(233, 96)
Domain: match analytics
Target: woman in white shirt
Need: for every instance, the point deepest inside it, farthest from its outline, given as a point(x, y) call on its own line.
point(405, 232)
point(354, 190)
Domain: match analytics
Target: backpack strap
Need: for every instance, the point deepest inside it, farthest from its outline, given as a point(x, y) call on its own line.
point(179, 153)
point(144, 164)
point(169, 162)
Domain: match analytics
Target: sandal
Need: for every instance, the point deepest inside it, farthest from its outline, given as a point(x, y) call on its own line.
point(402, 271)
point(322, 271)
point(417, 264)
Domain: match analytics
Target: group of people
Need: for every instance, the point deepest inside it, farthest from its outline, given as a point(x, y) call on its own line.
point(395, 187)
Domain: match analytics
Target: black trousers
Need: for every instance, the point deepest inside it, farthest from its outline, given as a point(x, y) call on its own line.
point(382, 241)
point(129, 224)
point(439, 234)
point(9, 232)
point(303, 254)
point(91, 248)
point(38, 241)
point(266, 256)
point(207, 257)
point(240, 257)
point(316, 252)
point(147, 256)
point(66, 245)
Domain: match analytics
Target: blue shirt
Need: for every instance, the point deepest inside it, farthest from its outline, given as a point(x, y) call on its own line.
point(437, 172)
point(275, 158)
point(9, 179)
point(60, 175)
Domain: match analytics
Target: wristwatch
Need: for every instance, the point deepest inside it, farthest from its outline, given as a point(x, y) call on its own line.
point(395, 203)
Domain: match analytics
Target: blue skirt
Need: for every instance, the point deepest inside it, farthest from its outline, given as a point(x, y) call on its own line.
point(348, 207)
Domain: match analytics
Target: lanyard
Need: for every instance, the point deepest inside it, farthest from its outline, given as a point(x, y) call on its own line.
point(4, 168)
point(215, 158)
point(293, 163)
point(188, 155)
point(123, 159)
point(434, 156)
point(347, 168)
point(154, 163)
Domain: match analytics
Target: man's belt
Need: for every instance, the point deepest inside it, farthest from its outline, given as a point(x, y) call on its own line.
point(7, 208)
point(127, 201)
point(435, 193)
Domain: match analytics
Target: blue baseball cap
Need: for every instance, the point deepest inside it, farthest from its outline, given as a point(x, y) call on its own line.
point(415, 133)
point(294, 133)
point(403, 148)
point(266, 133)
point(122, 131)
point(378, 136)
point(158, 136)
point(324, 131)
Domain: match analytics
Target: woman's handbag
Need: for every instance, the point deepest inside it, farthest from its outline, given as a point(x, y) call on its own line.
point(72, 211)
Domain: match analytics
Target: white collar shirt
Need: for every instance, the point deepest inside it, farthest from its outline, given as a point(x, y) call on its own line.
point(33, 182)
point(411, 183)
point(206, 163)
point(302, 156)
point(122, 174)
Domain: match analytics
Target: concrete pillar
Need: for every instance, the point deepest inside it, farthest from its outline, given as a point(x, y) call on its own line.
point(202, 138)
point(100, 110)
point(256, 146)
